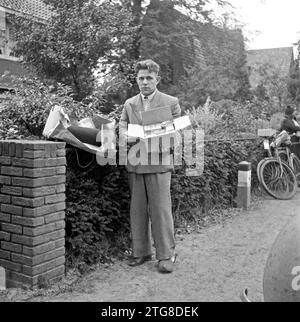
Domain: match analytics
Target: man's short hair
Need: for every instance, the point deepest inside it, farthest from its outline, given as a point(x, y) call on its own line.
point(148, 64)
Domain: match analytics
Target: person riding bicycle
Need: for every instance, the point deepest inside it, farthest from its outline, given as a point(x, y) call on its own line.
point(291, 126)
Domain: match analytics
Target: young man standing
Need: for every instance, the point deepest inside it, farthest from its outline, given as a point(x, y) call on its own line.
point(150, 183)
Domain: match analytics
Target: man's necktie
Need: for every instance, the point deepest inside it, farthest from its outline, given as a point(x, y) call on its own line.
point(146, 103)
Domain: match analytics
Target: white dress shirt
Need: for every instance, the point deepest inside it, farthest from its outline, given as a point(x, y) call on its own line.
point(147, 99)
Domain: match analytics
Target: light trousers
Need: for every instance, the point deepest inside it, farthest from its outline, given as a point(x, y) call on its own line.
point(151, 211)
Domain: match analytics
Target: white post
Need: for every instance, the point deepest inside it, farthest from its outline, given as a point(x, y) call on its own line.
point(2, 279)
point(244, 185)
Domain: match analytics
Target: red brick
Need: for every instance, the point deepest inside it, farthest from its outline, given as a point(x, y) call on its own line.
point(61, 170)
point(54, 180)
point(42, 268)
point(10, 265)
point(53, 151)
point(39, 172)
point(55, 198)
point(37, 240)
point(12, 171)
point(18, 280)
point(55, 274)
point(19, 258)
point(50, 151)
point(60, 145)
point(28, 182)
point(5, 199)
point(28, 202)
point(39, 230)
point(44, 210)
point(13, 284)
point(45, 257)
point(52, 236)
point(34, 154)
point(5, 148)
point(60, 242)
point(19, 150)
point(4, 254)
point(60, 188)
point(11, 247)
point(38, 182)
point(4, 236)
point(5, 217)
point(25, 221)
point(37, 192)
point(53, 162)
point(61, 153)
point(5, 179)
point(10, 228)
point(10, 209)
point(44, 248)
point(12, 149)
point(54, 217)
point(16, 191)
point(5, 160)
point(35, 145)
point(28, 163)
point(24, 240)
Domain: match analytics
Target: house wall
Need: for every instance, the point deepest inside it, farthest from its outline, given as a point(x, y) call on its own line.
point(281, 59)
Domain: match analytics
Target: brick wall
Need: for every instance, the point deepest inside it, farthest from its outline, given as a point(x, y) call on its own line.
point(32, 211)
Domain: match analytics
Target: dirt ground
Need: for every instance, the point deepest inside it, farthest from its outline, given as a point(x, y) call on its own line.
point(214, 264)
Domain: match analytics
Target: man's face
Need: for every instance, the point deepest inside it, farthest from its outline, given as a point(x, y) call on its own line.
point(147, 81)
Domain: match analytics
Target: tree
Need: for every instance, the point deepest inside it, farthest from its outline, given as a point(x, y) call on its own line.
point(294, 82)
point(272, 87)
point(211, 58)
point(69, 46)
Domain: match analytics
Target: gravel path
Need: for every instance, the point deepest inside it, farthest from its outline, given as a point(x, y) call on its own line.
point(215, 264)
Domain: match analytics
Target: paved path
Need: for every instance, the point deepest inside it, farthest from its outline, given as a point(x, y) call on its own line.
point(213, 265)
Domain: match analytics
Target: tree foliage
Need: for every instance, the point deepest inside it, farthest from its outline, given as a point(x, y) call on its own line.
point(68, 47)
point(25, 110)
point(212, 60)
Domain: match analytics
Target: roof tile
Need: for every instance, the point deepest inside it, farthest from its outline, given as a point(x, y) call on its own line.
point(37, 8)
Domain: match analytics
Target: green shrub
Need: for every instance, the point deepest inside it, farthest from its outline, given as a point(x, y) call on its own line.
point(25, 110)
point(217, 186)
point(97, 216)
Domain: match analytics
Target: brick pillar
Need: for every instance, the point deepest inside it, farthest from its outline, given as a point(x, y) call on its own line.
point(32, 211)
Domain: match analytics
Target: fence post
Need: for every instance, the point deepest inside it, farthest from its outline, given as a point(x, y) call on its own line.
point(244, 185)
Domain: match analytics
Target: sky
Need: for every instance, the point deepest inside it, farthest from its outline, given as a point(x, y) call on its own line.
point(269, 23)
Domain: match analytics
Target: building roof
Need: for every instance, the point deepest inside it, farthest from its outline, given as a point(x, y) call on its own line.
point(281, 58)
point(36, 8)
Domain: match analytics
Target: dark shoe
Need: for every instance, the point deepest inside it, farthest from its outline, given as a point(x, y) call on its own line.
point(135, 261)
point(167, 265)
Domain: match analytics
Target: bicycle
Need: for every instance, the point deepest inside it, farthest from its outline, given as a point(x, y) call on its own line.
point(291, 159)
point(275, 175)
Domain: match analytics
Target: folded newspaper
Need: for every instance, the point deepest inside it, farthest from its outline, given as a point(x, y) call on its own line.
point(95, 135)
point(158, 122)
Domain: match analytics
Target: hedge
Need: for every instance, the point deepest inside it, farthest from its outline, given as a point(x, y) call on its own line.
point(97, 216)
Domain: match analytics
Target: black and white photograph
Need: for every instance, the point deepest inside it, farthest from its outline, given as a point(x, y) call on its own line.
point(149, 155)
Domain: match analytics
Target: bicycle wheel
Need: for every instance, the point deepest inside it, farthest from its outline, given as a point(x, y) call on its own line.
point(283, 156)
point(258, 169)
point(295, 162)
point(278, 179)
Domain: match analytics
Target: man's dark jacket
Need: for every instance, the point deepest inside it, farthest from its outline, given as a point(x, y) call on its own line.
point(288, 125)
